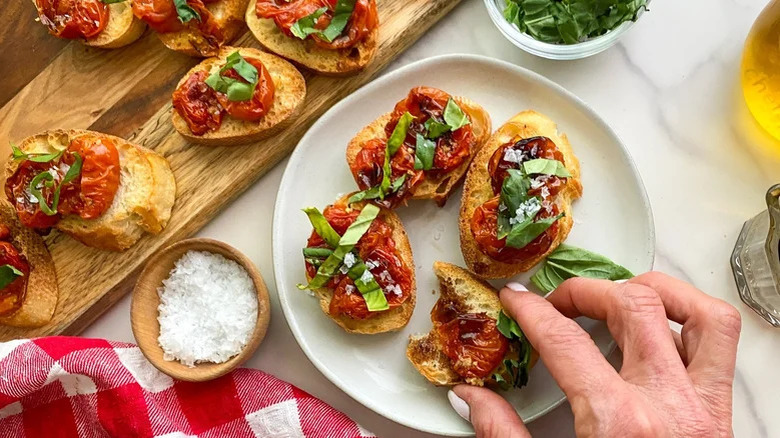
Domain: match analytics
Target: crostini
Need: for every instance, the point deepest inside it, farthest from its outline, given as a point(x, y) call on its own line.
point(193, 27)
point(28, 282)
point(426, 143)
point(359, 263)
point(239, 96)
point(96, 23)
point(516, 205)
point(97, 188)
point(472, 339)
point(333, 37)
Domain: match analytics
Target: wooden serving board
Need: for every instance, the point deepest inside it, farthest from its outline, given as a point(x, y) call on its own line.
point(49, 83)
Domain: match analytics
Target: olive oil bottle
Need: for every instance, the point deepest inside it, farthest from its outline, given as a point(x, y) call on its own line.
point(761, 69)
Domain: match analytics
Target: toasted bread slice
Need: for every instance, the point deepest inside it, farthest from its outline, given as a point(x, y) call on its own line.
point(308, 54)
point(122, 28)
point(439, 187)
point(42, 292)
point(289, 94)
point(389, 320)
point(142, 203)
point(477, 190)
point(471, 295)
point(229, 15)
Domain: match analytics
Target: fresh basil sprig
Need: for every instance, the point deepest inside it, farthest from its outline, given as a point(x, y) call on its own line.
point(47, 179)
point(569, 261)
point(8, 274)
point(19, 154)
point(514, 372)
point(235, 90)
point(546, 167)
point(423, 153)
point(341, 13)
point(185, 12)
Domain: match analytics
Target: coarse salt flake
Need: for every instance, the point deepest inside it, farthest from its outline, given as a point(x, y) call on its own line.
point(207, 311)
point(349, 260)
point(514, 156)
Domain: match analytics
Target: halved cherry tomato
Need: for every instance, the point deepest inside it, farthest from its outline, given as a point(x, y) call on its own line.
point(73, 18)
point(161, 15)
point(256, 107)
point(368, 166)
point(198, 104)
point(12, 296)
point(525, 150)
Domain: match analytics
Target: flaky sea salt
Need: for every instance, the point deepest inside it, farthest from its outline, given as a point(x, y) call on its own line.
point(208, 309)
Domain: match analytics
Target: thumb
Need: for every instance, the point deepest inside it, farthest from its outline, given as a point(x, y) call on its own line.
point(488, 412)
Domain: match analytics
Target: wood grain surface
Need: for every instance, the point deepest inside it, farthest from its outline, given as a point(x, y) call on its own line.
point(51, 84)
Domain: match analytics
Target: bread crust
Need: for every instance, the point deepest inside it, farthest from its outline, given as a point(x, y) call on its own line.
point(229, 14)
point(143, 202)
point(290, 92)
point(122, 28)
point(386, 321)
point(440, 187)
point(477, 190)
point(40, 301)
point(474, 295)
point(306, 53)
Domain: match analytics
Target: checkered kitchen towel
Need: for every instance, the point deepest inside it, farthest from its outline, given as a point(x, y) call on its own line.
point(79, 387)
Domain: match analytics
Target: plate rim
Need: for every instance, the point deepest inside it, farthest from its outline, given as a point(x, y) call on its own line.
point(276, 244)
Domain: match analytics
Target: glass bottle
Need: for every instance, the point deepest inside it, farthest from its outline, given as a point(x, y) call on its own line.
point(761, 69)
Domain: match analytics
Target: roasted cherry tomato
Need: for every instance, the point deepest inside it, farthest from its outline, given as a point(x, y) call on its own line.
point(484, 228)
point(89, 195)
point(471, 340)
point(161, 16)
point(198, 105)
point(12, 296)
point(73, 18)
point(285, 14)
point(368, 166)
point(256, 107)
point(452, 148)
point(510, 155)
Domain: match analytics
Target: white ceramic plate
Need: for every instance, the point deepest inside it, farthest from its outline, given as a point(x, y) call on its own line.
point(612, 218)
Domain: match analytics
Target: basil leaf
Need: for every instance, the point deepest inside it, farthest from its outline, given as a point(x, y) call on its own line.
point(513, 373)
point(435, 128)
point(185, 12)
point(423, 153)
point(546, 167)
point(244, 69)
point(368, 287)
point(398, 183)
point(240, 91)
point(525, 213)
point(525, 232)
point(514, 190)
point(371, 193)
point(454, 116)
point(322, 227)
point(399, 133)
point(569, 261)
point(508, 327)
point(320, 253)
point(8, 274)
point(19, 154)
point(235, 90)
point(341, 15)
point(347, 242)
point(305, 26)
point(47, 179)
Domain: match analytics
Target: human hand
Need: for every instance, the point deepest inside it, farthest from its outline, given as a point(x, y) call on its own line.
point(670, 385)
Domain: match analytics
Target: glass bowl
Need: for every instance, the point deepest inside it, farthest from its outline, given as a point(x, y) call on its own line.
point(553, 51)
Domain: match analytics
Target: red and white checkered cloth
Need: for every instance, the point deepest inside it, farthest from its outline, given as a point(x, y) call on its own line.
point(78, 387)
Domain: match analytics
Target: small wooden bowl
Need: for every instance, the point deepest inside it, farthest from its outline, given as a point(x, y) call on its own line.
point(143, 310)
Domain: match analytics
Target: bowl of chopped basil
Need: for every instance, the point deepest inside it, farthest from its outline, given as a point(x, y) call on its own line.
point(564, 29)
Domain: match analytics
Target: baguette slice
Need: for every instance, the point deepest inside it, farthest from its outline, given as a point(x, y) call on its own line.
point(229, 15)
point(471, 295)
point(42, 292)
point(308, 54)
point(389, 320)
point(122, 28)
point(143, 201)
point(437, 188)
point(477, 190)
point(288, 101)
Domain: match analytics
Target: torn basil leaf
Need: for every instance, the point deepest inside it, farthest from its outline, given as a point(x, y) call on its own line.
point(322, 227)
point(546, 167)
point(514, 190)
point(454, 116)
point(399, 133)
point(513, 373)
point(368, 287)
point(8, 274)
point(341, 14)
point(569, 261)
point(185, 12)
point(305, 26)
point(236, 91)
point(508, 327)
point(435, 129)
point(525, 232)
point(423, 153)
point(374, 192)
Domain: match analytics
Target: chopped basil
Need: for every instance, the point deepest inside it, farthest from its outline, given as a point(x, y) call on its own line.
point(19, 154)
point(399, 133)
point(398, 183)
point(8, 274)
point(236, 91)
point(368, 287)
point(374, 192)
point(518, 210)
point(341, 13)
point(423, 153)
point(435, 128)
point(47, 179)
point(305, 26)
point(525, 232)
point(322, 226)
point(185, 11)
point(569, 261)
point(513, 373)
point(546, 167)
point(454, 116)
point(319, 253)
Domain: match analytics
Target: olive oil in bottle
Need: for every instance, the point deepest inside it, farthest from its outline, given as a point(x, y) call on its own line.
point(761, 69)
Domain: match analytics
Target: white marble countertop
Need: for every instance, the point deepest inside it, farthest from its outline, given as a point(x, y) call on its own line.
point(670, 90)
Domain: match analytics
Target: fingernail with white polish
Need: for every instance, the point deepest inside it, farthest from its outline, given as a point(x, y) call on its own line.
point(620, 281)
point(517, 287)
point(460, 406)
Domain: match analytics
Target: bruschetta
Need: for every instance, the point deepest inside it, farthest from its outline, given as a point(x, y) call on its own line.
point(334, 37)
point(194, 27)
point(472, 341)
point(359, 264)
point(99, 189)
point(28, 282)
point(239, 96)
point(96, 23)
point(426, 143)
point(516, 205)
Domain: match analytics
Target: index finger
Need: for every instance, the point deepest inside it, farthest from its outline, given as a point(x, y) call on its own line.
point(564, 347)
